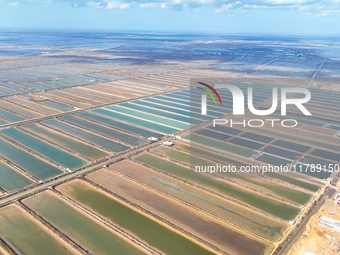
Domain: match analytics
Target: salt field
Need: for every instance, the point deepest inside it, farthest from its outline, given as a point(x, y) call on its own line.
point(88, 232)
point(104, 144)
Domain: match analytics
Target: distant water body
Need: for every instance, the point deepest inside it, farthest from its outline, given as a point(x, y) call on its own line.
point(38, 42)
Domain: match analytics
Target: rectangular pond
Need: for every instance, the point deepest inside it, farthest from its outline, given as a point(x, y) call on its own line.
point(139, 122)
point(87, 136)
point(228, 211)
point(10, 116)
point(117, 124)
point(72, 144)
point(274, 207)
point(213, 134)
point(10, 179)
point(37, 167)
point(148, 230)
point(220, 145)
point(82, 229)
point(57, 105)
point(149, 117)
point(129, 139)
point(26, 236)
point(55, 154)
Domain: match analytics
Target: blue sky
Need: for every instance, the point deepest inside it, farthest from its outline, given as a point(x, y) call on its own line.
point(296, 17)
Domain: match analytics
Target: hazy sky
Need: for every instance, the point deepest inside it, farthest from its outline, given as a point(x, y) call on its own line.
point(302, 17)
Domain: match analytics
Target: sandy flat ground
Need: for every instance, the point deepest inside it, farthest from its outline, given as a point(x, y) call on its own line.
point(313, 240)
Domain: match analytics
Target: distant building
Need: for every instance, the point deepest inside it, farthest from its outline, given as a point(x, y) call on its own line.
point(329, 224)
point(167, 143)
point(153, 139)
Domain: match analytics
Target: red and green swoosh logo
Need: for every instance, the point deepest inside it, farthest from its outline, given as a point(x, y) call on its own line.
point(209, 93)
